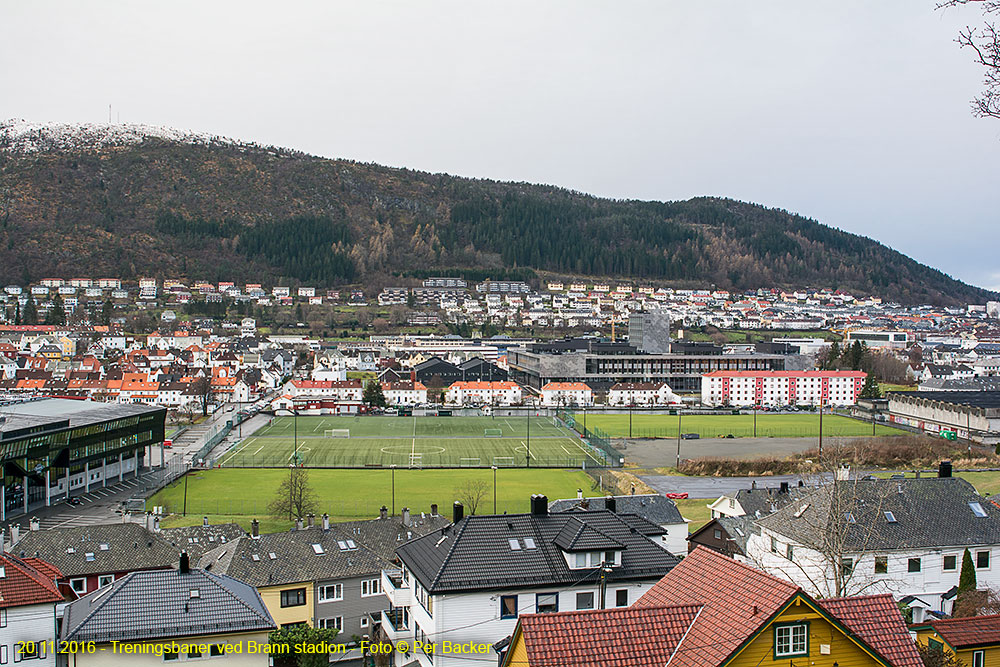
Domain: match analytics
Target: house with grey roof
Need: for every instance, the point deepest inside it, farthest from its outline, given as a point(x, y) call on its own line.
point(469, 582)
point(756, 501)
point(652, 507)
point(196, 540)
point(91, 557)
point(170, 615)
point(905, 537)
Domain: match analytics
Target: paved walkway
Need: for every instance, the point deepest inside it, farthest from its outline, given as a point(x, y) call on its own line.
point(713, 487)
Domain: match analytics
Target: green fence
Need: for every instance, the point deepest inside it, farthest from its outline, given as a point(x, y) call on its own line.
point(598, 440)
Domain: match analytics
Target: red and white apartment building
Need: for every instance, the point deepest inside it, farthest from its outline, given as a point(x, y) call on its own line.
point(777, 388)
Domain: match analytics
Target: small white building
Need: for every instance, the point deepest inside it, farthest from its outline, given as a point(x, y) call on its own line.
point(483, 393)
point(404, 393)
point(642, 393)
point(559, 394)
point(28, 599)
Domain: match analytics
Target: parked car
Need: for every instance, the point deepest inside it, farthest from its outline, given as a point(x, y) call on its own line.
point(689, 436)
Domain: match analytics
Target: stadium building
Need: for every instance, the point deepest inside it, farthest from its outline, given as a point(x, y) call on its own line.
point(53, 448)
point(973, 415)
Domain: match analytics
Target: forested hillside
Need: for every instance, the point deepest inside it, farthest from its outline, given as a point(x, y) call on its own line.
point(219, 210)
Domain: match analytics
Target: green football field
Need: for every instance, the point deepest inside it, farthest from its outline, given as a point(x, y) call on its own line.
point(799, 425)
point(412, 442)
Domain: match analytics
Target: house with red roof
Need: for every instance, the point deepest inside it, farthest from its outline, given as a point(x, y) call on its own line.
point(28, 599)
point(712, 610)
point(974, 640)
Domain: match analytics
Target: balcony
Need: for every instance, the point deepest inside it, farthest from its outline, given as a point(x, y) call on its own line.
point(392, 585)
point(394, 624)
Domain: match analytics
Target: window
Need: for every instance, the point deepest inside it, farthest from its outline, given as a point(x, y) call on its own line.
point(791, 640)
point(25, 650)
point(774, 545)
point(950, 563)
point(847, 566)
point(978, 510)
point(982, 559)
point(215, 650)
point(365, 622)
point(978, 659)
point(3, 654)
point(104, 580)
point(293, 598)
point(331, 592)
point(3, 618)
point(335, 623)
point(913, 565)
point(609, 557)
point(580, 560)
point(194, 653)
point(935, 645)
point(890, 517)
point(370, 587)
point(585, 600)
point(621, 597)
point(508, 606)
point(546, 602)
point(170, 656)
point(881, 564)
point(717, 534)
point(79, 586)
point(790, 552)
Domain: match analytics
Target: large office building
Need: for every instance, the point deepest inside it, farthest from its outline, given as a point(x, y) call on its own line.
point(601, 364)
point(650, 332)
point(53, 448)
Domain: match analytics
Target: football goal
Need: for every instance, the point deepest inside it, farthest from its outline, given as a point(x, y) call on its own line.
point(493, 433)
point(503, 461)
point(337, 433)
point(416, 460)
point(470, 462)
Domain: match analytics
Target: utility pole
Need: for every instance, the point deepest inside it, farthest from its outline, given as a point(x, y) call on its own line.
point(527, 444)
point(392, 469)
point(678, 438)
point(755, 420)
point(494, 490)
point(295, 436)
point(630, 419)
point(821, 427)
point(604, 584)
point(184, 511)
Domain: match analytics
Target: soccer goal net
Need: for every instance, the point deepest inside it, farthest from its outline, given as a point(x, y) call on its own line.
point(416, 460)
point(503, 461)
point(493, 433)
point(337, 433)
point(470, 462)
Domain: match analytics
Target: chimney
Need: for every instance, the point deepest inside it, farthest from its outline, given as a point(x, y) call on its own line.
point(15, 534)
point(204, 520)
point(784, 488)
point(383, 512)
point(298, 524)
point(255, 528)
point(156, 524)
point(611, 504)
point(434, 509)
point(311, 519)
point(539, 504)
point(753, 484)
point(457, 512)
point(406, 517)
point(326, 521)
point(944, 470)
point(149, 520)
point(185, 565)
point(34, 525)
point(579, 494)
point(3, 542)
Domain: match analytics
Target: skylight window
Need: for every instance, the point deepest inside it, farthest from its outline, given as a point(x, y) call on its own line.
point(801, 511)
point(89, 556)
point(255, 558)
point(342, 544)
point(318, 549)
point(104, 547)
point(195, 593)
point(529, 543)
point(890, 517)
point(351, 545)
point(849, 518)
point(514, 545)
point(272, 555)
point(978, 510)
point(70, 550)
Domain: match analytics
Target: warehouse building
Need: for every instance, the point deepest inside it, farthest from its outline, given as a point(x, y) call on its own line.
point(53, 448)
point(971, 415)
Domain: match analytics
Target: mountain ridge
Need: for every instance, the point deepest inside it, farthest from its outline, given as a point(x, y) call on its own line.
point(134, 200)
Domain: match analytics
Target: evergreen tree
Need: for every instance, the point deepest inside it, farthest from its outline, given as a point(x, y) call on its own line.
point(17, 313)
point(57, 313)
point(832, 356)
point(373, 395)
point(30, 311)
point(870, 388)
point(106, 311)
point(966, 587)
point(856, 356)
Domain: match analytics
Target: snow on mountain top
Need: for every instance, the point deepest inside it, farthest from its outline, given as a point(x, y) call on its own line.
point(21, 136)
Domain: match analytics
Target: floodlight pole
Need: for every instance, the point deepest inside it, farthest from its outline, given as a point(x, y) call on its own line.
point(392, 469)
point(755, 420)
point(527, 460)
point(494, 489)
point(678, 464)
point(821, 427)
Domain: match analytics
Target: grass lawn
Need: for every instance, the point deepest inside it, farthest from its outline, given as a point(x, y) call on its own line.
point(358, 494)
point(696, 511)
point(887, 386)
point(804, 424)
point(400, 441)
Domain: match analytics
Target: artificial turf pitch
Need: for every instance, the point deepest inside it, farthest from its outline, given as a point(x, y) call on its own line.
point(796, 425)
point(419, 442)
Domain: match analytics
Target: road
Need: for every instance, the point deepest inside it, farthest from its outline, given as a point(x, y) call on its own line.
point(713, 487)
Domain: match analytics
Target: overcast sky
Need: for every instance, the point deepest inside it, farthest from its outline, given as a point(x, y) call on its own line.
point(854, 113)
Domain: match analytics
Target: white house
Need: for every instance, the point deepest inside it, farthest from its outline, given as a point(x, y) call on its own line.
point(404, 393)
point(567, 394)
point(469, 582)
point(777, 388)
point(642, 393)
point(652, 507)
point(347, 390)
point(898, 536)
point(483, 393)
point(8, 367)
point(28, 599)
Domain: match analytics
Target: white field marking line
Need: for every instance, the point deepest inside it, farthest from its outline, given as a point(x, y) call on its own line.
point(509, 426)
point(233, 452)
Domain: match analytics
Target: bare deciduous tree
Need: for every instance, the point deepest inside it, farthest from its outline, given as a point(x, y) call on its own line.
point(295, 497)
point(984, 41)
point(472, 493)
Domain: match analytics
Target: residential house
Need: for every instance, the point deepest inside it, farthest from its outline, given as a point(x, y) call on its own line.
point(726, 534)
point(973, 640)
point(169, 615)
point(559, 394)
point(404, 393)
point(642, 393)
point(28, 599)
point(755, 501)
point(652, 507)
point(898, 536)
point(483, 393)
point(711, 610)
point(471, 581)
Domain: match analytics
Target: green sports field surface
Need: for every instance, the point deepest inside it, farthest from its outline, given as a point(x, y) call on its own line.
point(419, 442)
point(799, 425)
point(358, 494)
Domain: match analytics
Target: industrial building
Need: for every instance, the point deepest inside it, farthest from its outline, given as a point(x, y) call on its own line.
point(971, 415)
point(53, 448)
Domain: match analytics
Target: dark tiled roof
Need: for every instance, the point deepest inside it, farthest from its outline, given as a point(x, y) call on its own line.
point(629, 636)
point(196, 540)
point(968, 632)
point(27, 581)
point(578, 535)
point(739, 529)
point(382, 536)
point(99, 549)
point(877, 621)
point(930, 512)
point(477, 552)
point(652, 507)
point(758, 502)
point(249, 559)
point(164, 604)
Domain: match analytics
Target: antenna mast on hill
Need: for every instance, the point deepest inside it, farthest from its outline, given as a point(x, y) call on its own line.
point(109, 114)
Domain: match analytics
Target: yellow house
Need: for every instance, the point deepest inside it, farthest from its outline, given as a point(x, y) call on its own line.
point(974, 640)
point(712, 610)
point(289, 603)
point(147, 619)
